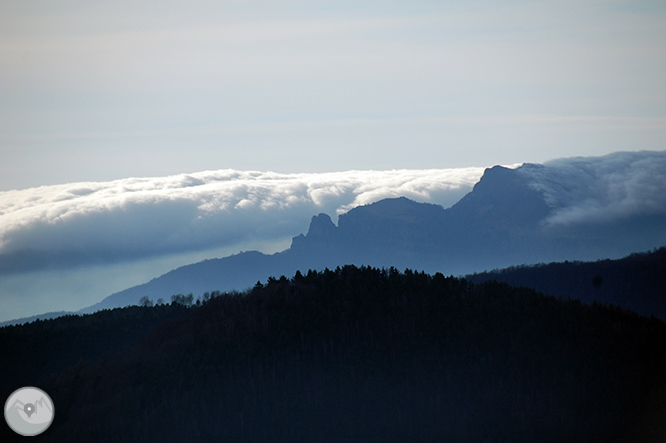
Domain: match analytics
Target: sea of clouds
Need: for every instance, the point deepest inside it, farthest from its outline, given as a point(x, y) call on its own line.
point(123, 220)
point(82, 223)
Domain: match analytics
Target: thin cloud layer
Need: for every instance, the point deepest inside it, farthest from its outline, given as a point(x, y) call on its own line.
point(602, 189)
point(73, 224)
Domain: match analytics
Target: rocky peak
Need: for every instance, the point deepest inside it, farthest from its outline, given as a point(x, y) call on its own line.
point(322, 230)
point(503, 196)
point(321, 227)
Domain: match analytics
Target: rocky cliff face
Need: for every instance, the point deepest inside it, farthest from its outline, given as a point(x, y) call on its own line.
point(505, 220)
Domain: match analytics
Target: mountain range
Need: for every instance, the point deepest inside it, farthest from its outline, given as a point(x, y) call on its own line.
point(525, 215)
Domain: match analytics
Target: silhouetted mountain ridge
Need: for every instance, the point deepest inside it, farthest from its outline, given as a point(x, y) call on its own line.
point(505, 220)
point(503, 199)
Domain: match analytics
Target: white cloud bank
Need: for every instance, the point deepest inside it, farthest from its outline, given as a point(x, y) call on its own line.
point(602, 189)
point(123, 220)
point(77, 223)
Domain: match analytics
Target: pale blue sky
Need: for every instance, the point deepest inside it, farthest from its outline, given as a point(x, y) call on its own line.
point(106, 90)
point(96, 91)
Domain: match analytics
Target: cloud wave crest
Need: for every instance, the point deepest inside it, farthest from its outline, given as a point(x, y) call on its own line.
point(138, 217)
point(601, 189)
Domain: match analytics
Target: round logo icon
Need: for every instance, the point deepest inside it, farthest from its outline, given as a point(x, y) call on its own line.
point(29, 411)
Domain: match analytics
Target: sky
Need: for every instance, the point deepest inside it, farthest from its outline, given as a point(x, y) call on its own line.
point(99, 91)
point(140, 136)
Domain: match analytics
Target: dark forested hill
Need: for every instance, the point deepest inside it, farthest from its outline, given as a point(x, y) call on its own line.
point(34, 351)
point(352, 354)
point(636, 282)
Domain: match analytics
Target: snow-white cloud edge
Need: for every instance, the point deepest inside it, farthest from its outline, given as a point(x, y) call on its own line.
point(134, 217)
point(602, 189)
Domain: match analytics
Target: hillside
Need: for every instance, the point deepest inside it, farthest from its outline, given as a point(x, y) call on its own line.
point(636, 282)
point(359, 354)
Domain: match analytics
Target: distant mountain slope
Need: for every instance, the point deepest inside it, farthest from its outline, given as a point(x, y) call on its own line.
point(234, 272)
point(636, 282)
point(531, 214)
